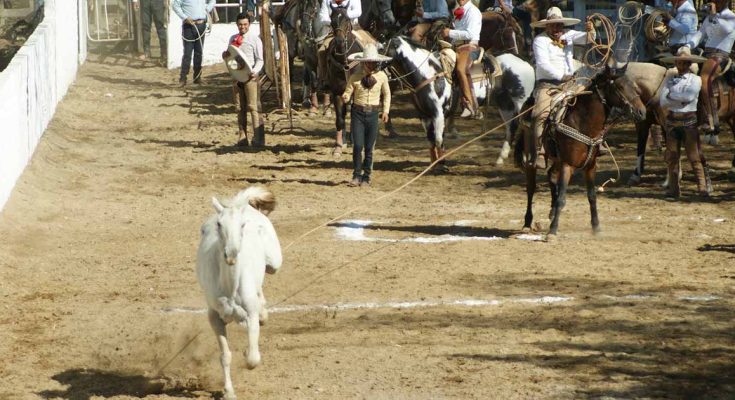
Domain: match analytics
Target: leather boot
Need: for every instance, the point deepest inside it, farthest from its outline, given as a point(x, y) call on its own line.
point(259, 136)
point(673, 190)
point(701, 178)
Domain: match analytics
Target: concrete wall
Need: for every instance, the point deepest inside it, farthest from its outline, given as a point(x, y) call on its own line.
point(34, 82)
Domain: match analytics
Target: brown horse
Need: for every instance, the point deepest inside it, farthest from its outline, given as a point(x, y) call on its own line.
point(501, 34)
point(574, 141)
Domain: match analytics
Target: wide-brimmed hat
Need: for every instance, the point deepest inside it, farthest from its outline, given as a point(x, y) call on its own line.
point(554, 16)
point(684, 54)
point(240, 71)
point(370, 54)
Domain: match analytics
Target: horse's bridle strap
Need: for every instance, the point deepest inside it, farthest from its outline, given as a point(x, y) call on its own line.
point(427, 81)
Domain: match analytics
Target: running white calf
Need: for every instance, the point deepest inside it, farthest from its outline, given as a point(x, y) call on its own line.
point(238, 246)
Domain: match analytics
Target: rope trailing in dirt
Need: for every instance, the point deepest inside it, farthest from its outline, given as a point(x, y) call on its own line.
point(414, 179)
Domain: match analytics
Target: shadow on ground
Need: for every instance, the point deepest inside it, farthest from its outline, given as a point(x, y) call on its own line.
point(85, 384)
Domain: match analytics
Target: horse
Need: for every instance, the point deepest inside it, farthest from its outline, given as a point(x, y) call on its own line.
point(508, 94)
point(501, 34)
point(422, 71)
point(339, 48)
point(238, 246)
point(649, 79)
point(298, 19)
point(378, 18)
point(574, 141)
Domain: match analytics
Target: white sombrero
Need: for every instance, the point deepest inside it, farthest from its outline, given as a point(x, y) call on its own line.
point(370, 54)
point(684, 54)
point(554, 16)
point(240, 71)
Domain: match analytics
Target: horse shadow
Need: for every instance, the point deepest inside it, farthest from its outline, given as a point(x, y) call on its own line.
point(85, 384)
point(275, 149)
point(140, 83)
point(727, 248)
point(267, 181)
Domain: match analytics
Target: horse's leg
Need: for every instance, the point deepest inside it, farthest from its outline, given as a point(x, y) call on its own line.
point(642, 129)
point(438, 123)
point(390, 128)
point(327, 103)
point(218, 326)
point(553, 178)
point(505, 149)
point(339, 122)
point(529, 145)
point(252, 323)
point(565, 172)
point(589, 180)
point(263, 314)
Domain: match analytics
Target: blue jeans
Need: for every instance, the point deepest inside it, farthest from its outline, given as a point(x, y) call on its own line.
point(193, 42)
point(364, 128)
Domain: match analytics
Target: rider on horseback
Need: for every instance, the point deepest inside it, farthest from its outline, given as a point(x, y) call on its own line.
point(352, 9)
point(464, 36)
point(431, 14)
point(683, 23)
point(554, 61)
point(719, 29)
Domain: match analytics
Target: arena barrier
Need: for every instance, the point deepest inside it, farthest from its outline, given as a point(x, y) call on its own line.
point(34, 82)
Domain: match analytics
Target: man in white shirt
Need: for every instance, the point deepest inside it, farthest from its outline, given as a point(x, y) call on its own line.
point(248, 93)
point(353, 11)
point(464, 37)
point(683, 23)
point(679, 94)
point(553, 50)
point(719, 30)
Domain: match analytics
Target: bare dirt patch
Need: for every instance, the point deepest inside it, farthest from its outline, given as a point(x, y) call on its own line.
point(100, 236)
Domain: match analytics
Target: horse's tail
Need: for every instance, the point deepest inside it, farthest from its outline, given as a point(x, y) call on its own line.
point(518, 149)
point(258, 197)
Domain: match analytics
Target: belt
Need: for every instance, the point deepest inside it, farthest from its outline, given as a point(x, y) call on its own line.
point(358, 107)
point(458, 43)
point(711, 51)
point(682, 115)
point(199, 21)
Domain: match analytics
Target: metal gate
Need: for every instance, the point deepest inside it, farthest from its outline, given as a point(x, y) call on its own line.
point(110, 21)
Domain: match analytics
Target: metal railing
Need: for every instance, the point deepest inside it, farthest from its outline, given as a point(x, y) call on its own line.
point(111, 20)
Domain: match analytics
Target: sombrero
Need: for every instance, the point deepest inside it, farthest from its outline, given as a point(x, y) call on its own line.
point(554, 16)
point(684, 54)
point(240, 71)
point(370, 54)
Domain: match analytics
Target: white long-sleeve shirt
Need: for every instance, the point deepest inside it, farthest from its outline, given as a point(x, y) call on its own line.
point(684, 24)
point(718, 31)
point(680, 93)
point(353, 7)
point(194, 9)
point(469, 26)
point(252, 46)
point(552, 61)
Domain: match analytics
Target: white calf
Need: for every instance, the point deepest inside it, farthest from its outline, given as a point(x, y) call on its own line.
point(238, 244)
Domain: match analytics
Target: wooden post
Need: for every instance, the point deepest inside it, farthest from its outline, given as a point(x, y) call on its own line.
point(269, 53)
point(283, 70)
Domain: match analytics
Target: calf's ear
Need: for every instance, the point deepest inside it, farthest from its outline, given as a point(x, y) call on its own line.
point(217, 205)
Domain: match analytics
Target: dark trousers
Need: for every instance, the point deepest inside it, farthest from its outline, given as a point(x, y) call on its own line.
point(193, 42)
point(364, 127)
point(153, 11)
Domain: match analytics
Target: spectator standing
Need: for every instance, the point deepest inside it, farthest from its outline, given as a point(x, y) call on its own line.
point(153, 11)
point(246, 89)
point(194, 15)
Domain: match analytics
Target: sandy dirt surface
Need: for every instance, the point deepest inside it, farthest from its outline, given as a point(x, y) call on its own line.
point(100, 299)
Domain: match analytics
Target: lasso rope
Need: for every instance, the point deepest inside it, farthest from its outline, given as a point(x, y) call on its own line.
point(654, 29)
point(603, 41)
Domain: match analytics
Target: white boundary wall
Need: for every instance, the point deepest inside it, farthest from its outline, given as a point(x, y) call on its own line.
point(34, 82)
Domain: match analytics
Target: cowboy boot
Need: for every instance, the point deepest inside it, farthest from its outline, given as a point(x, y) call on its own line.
point(701, 178)
point(259, 136)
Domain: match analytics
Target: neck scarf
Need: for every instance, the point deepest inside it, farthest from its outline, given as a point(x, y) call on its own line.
point(368, 81)
point(237, 40)
point(459, 13)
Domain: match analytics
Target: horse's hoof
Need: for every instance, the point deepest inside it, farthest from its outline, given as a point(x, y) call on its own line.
point(253, 361)
point(392, 135)
point(634, 180)
point(499, 162)
point(596, 230)
point(551, 237)
point(229, 396)
point(526, 229)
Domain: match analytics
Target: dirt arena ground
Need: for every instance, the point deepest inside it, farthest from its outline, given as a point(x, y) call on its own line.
point(100, 299)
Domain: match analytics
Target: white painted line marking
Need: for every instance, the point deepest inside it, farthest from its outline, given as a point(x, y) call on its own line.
point(354, 230)
point(528, 236)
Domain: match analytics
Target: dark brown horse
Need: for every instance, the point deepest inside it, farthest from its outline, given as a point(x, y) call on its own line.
point(501, 34)
point(574, 142)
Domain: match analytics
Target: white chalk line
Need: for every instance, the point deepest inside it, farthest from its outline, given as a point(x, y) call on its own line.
point(447, 303)
point(354, 230)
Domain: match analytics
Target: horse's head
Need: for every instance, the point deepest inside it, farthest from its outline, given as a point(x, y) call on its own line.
point(340, 22)
point(230, 225)
point(620, 91)
point(384, 10)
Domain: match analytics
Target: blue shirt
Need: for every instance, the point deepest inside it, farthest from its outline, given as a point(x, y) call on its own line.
point(194, 9)
point(435, 9)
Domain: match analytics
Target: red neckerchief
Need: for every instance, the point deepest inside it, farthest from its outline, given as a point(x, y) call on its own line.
point(237, 40)
point(459, 13)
